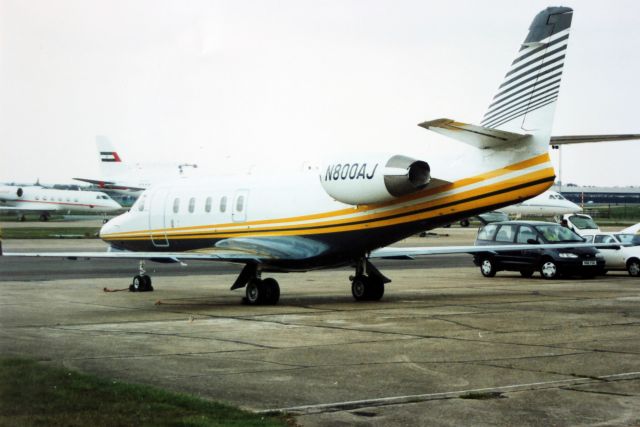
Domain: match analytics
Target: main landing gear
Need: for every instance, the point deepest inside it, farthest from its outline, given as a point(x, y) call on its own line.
point(368, 282)
point(141, 282)
point(258, 291)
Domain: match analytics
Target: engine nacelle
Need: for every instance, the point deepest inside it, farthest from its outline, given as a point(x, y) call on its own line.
point(8, 193)
point(370, 180)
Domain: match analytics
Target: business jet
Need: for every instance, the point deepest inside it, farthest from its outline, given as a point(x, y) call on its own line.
point(348, 211)
point(131, 179)
point(45, 201)
point(549, 203)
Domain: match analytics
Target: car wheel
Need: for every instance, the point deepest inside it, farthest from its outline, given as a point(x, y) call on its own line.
point(549, 269)
point(526, 273)
point(633, 267)
point(487, 267)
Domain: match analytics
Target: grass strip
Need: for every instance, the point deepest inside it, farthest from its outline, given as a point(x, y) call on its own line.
point(33, 394)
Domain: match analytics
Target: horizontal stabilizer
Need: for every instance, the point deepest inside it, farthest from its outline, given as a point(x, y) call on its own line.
point(585, 139)
point(477, 136)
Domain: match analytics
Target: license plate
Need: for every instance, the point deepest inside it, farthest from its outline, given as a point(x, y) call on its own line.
point(589, 263)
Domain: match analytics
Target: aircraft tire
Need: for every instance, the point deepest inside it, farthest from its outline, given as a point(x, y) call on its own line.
point(271, 291)
point(254, 292)
point(359, 288)
point(376, 290)
point(141, 283)
point(146, 283)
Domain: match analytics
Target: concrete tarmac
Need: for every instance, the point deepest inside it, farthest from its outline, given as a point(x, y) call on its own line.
point(445, 346)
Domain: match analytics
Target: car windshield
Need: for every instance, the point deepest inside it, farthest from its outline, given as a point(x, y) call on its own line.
point(583, 222)
point(624, 238)
point(553, 233)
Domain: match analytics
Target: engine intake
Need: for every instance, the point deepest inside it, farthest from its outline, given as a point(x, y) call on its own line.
point(374, 180)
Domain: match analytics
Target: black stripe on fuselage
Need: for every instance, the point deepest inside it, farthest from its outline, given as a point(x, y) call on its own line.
point(198, 243)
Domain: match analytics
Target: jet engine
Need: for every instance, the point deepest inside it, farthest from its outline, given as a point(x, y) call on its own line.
point(10, 193)
point(362, 181)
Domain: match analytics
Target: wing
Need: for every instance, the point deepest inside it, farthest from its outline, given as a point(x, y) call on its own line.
point(240, 250)
point(477, 136)
point(110, 185)
point(583, 139)
point(398, 252)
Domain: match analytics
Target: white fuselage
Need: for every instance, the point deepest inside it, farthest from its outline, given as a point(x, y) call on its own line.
point(549, 203)
point(38, 199)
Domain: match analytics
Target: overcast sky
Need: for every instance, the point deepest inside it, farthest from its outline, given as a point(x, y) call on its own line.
point(273, 83)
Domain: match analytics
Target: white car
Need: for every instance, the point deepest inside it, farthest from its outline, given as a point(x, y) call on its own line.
point(626, 257)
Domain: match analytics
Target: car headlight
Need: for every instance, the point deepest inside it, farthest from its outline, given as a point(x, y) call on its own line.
point(567, 255)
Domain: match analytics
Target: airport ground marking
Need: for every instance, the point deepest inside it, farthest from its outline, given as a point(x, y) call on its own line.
point(414, 398)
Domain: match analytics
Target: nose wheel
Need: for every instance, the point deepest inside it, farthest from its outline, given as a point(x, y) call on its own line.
point(141, 281)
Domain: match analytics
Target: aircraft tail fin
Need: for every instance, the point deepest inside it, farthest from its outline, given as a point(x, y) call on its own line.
point(107, 153)
point(111, 164)
point(526, 99)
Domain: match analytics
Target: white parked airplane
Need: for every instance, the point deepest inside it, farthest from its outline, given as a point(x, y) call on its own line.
point(127, 178)
point(44, 201)
point(349, 211)
point(549, 203)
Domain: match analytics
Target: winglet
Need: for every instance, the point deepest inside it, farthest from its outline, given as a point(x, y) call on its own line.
point(477, 136)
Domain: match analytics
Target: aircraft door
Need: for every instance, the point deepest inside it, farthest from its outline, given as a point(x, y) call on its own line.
point(240, 205)
point(157, 218)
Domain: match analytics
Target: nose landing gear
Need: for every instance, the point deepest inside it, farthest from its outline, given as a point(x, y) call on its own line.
point(141, 281)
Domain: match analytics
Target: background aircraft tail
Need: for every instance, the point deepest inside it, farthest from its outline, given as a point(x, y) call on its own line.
point(111, 163)
point(526, 99)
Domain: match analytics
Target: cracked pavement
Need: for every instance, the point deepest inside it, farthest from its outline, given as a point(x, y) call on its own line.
point(445, 346)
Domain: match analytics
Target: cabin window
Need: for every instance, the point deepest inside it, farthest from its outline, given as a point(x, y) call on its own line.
point(207, 204)
point(37, 197)
point(44, 197)
point(223, 204)
point(176, 205)
point(192, 204)
point(68, 199)
point(240, 203)
point(59, 199)
point(75, 200)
